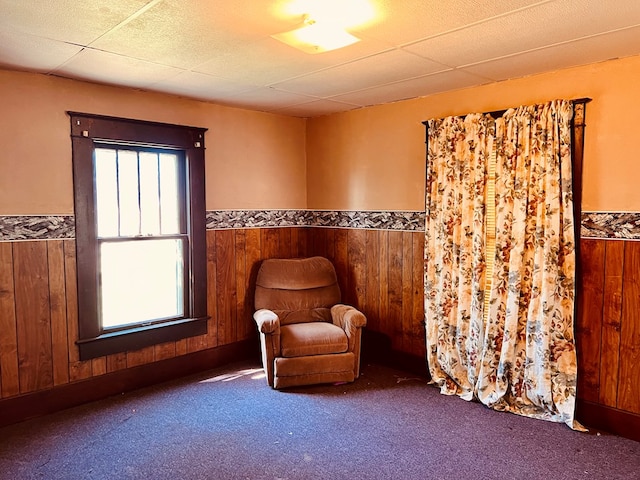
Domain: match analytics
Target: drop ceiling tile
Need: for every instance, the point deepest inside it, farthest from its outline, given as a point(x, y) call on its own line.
point(472, 44)
point(173, 33)
point(413, 88)
point(516, 32)
point(34, 53)
point(406, 21)
point(227, 46)
point(586, 17)
point(109, 68)
point(201, 86)
point(590, 50)
point(271, 61)
point(315, 108)
point(259, 19)
point(66, 20)
point(265, 61)
point(364, 73)
point(266, 99)
point(248, 19)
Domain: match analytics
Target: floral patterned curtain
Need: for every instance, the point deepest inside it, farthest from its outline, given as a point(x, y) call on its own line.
point(523, 358)
point(454, 249)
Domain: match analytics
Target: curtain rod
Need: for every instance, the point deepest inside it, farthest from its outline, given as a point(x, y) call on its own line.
point(499, 113)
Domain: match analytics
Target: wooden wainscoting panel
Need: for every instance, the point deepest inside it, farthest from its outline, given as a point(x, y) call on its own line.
point(284, 243)
point(301, 242)
point(33, 317)
point(589, 320)
point(381, 273)
point(298, 242)
point(270, 242)
point(58, 312)
point(40, 326)
point(611, 318)
point(98, 366)
point(225, 286)
point(372, 279)
point(199, 342)
point(181, 347)
point(212, 290)
point(241, 285)
point(330, 242)
point(407, 293)
point(357, 266)
point(319, 242)
point(395, 289)
point(116, 361)
point(385, 324)
point(629, 378)
point(140, 357)
point(418, 330)
point(164, 351)
point(377, 271)
point(341, 262)
point(10, 377)
point(78, 370)
point(252, 259)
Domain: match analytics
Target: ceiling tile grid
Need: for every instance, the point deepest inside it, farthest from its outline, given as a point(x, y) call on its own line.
point(367, 72)
point(222, 51)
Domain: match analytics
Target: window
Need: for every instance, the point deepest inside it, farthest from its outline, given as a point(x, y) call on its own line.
point(140, 233)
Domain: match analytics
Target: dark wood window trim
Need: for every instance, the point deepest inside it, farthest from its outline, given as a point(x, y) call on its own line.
point(87, 131)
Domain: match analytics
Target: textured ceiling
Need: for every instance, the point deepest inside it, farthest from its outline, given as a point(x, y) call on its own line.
point(222, 50)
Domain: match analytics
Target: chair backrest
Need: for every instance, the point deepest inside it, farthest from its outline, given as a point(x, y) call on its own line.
point(297, 289)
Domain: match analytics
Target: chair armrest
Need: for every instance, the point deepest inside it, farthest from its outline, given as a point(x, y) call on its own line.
point(351, 320)
point(348, 318)
point(267, 321)
point(269, 327)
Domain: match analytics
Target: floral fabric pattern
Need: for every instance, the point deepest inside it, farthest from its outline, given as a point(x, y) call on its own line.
point(523, 359)
point(458, 149)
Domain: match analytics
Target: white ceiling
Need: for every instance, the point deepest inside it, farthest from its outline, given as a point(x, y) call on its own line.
point(222, 51)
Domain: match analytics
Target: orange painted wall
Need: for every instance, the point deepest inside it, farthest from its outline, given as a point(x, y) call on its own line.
point(367, 159)
point(254, 160)
point(374, 158)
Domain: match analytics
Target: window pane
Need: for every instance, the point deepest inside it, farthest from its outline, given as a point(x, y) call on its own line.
point(128, 192)
point(141, 281)
point(106, 192)
point(169, 199)
point(149, 191)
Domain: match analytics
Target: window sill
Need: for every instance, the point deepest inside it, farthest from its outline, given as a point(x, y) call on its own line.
point(140, 337)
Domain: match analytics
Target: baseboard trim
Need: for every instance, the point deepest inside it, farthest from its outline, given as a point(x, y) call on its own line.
point(408, 362)
point(24, 407)
point(376, 348)
point(607, 419)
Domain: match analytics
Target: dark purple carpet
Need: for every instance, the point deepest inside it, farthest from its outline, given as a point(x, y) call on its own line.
point(228, 424)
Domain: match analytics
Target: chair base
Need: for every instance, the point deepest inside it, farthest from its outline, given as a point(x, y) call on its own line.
point(297, 371)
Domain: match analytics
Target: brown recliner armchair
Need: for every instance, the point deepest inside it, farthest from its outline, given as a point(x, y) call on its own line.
point(306, 335)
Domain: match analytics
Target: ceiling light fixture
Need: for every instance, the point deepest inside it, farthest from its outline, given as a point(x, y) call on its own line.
point(317, 37)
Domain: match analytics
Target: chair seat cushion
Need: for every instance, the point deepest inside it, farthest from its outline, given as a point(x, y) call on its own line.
point(315, 338)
